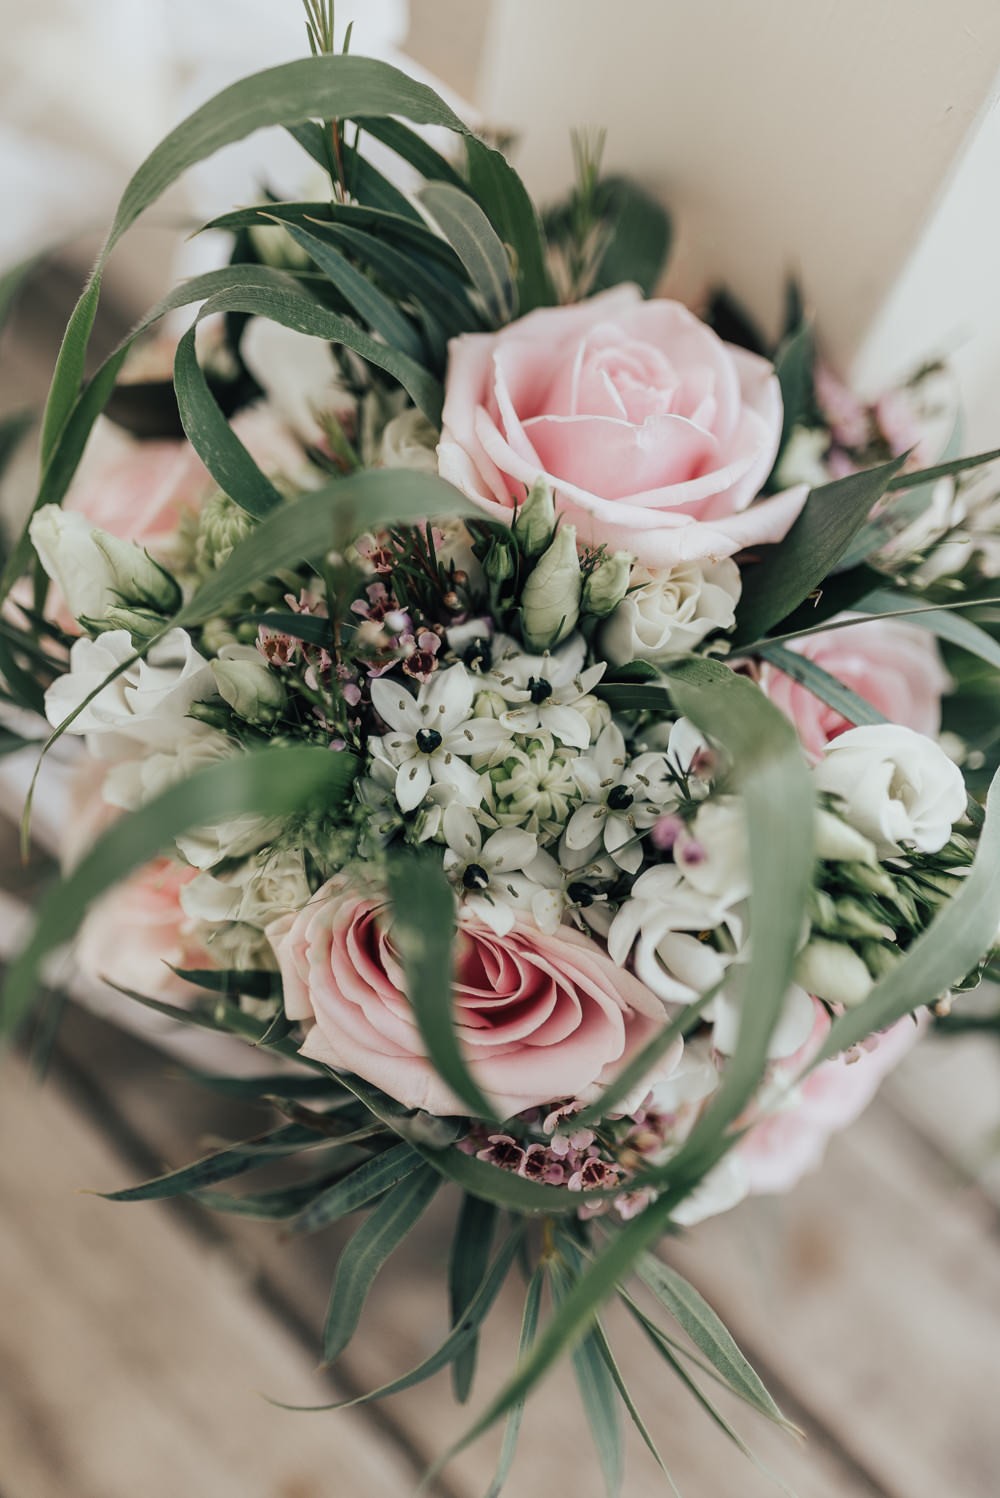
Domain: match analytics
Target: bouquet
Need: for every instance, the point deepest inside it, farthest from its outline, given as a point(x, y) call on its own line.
point(513, 705)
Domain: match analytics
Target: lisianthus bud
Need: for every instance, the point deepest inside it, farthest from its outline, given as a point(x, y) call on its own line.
point(142, 624)
point(833, 971)
point(839, 843)
point(536, 519)
point(550, 603)
point(607, 585)
point(222, 525)
point(245, 681)
point(498, 563)
point(96, 571)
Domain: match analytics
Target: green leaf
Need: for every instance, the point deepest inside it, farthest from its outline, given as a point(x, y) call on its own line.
point(708, 1333)
point(266, 1206)
point(367, 1181)
point(822, 685)
point(503, 197)
point(412, 148)
point(255, 984)
point(221, 1165)
point(529, 1326)
point(504, 1187)
point(944, 623)
point(269, 782)
point(597, 1394)
point(373, 306)
point(440, 294)
point(790, 570)
point(305, 529)
point(283, 1084)
point(22, 686)
point(13, 430)
point(638, 238)
point(959, 936)
point(423, 924)
point(293, 94)
point(212, 438)
point(375, 1240)
point(793, 365)
point(470, 1255)
point(942, 470)
point(474, 240)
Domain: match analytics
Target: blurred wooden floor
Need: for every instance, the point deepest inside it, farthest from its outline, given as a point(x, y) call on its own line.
point(137, 1342)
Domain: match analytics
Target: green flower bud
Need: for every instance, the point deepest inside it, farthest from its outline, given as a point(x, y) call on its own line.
point(498, 563)
point(607, 584)
point(833, 971)
point(535, 521)
point(134, 577)
point(245, 681)
point(96, 571)
point(142, 624)
point(221, 526)
point(879, 957)
point(839, 843)
point(854, 920)
point(550, 603)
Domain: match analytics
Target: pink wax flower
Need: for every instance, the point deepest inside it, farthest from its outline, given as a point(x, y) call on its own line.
point(538, 1016)
point(655, 435)
point(894, 667)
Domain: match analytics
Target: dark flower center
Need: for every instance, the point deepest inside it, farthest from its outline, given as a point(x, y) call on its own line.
point(475, 877)
point(620, 798)
point(580, 894)
point(539, 690)
point(428, 739)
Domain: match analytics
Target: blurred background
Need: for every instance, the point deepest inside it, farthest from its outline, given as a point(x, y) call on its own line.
point(854, 143)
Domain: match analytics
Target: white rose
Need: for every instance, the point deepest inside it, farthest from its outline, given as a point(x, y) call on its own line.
point(409, 441)
point(895, 786)
point(668, 613)
point(208, 846)
point(257, 892)
point(132, 782)
point(146, 703)
point(95, 571)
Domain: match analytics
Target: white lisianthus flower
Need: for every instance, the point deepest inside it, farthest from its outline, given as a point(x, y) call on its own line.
point(833, 971)
point(660, 925)
point(248, 685)
point(146, 703)
point(712, 850)
point(481, 869)
point(132, 782)
point(895, 786)
point(409, 441)
point(432, 735)
point(667, 613)
point(95, 571)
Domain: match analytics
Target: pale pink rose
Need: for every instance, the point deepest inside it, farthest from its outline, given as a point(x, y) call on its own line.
point(137, 932)
point(538, 1017)
point(655, 435)
point(787, 1144)
point(894, 667)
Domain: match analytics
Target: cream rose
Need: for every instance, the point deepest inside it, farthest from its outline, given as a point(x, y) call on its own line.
point(667, 613)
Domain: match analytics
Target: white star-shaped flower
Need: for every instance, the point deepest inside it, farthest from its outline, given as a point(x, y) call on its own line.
point(432, 734)
point(545, 690)
point(622, 799)
point(482, 870)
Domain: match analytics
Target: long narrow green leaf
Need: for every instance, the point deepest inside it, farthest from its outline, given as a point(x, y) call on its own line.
point(638, 233)
point(423, 924)
point(221, 1165)
point(911, 615)
point(943, 470)
point(382, 315)
point(375, 1240)
point(266, 1206)
point(792, 569)
point(293, 309)
point(413, 148)
point(503, 197)
point(13, 430)
point(959, 936)
point(708, 1333)
point(946, 624)
point(270, 782)
point(793, 366)
point(293, 94)
point(212, 438)
point(597, 1395)
point(821, 683)
point(529, 1327)
point(470, 1256)
point(474, 240)
point(409, 275)
point(366, 1182)
point(504, 1187)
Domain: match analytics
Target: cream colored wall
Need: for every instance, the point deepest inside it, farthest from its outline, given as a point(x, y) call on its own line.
point(805, 134)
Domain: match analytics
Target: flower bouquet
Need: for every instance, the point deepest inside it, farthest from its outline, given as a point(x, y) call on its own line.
point(513, 708)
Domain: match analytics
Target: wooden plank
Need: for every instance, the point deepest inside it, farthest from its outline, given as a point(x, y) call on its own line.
point(132, 1361)
point(949, 1091)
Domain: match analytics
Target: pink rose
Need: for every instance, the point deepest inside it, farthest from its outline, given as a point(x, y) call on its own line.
point(894, 667)
point(655, 435)
point(135, 934)
point(786, 1145)
point(539, 1017)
